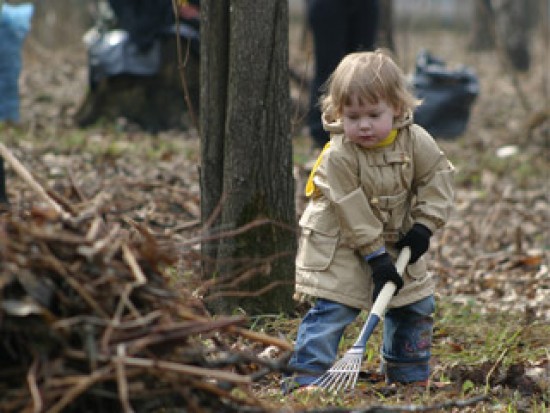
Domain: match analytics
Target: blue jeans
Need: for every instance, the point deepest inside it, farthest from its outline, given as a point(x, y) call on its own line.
point(407, 340)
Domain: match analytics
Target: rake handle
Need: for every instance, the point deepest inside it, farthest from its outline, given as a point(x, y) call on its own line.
point(383, 299)
point(379, 307)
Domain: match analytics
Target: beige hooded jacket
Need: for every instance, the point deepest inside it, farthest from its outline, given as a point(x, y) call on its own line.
point(365, 199)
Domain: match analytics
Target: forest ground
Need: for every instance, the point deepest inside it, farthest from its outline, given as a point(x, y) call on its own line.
point(493, 318)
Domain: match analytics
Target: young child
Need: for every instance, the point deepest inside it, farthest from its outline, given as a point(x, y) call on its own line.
point(380, 184)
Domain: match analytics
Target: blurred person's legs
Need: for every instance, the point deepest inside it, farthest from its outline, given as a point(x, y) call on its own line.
point(338, 27)
point(3, 194)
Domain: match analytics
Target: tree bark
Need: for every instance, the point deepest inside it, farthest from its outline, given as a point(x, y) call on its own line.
point(512, 29)
point(213, 75)
point(482, 34)
point(504, 24)
point(247, 153)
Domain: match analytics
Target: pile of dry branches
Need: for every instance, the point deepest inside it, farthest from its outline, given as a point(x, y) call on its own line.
point(89, 321)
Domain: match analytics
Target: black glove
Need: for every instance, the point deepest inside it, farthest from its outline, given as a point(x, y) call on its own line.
point(383, 270)
point(417, 239)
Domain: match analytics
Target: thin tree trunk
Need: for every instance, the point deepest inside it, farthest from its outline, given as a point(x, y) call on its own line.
point(482, 33)
point(506, 25)
point(214, 74)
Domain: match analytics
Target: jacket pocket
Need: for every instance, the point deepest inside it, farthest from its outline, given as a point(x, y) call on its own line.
point(319, 239)
point(316, 250)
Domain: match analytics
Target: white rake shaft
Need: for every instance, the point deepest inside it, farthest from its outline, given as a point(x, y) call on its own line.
point(344, 373)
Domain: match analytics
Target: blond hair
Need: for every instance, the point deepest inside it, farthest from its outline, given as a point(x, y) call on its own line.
point(371, 77)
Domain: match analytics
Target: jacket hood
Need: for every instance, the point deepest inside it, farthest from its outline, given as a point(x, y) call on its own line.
point(335, 126)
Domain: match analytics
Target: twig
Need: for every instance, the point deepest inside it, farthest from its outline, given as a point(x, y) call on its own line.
point(121, 379)
point(27, 177)
point(215, 212)
point(500, 358)
point(262, 338)
point(61, 270)
point(71, 322)
point(180, 331)
point(231, 233)
point(494, 367)
point(79, 388)
point(181, 67)
point(232, 280)
point(33, 387)
point(122, 303)
point(130, 259)
point(92, 210)
point(183, 368)
point(94, 229)
point(39, 234)
point(214, 390)
point(75, 187)
point(90, 252)
point(255, 293)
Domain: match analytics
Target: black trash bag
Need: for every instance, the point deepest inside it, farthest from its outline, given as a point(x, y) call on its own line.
point(114, 53)
point(3, 194)
point(447, 96)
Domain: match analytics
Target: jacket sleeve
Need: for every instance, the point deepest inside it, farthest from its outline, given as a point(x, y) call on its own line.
point(432, 182)
point(339, 180)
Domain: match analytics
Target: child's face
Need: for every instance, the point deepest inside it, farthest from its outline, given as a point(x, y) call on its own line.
point(367, 124)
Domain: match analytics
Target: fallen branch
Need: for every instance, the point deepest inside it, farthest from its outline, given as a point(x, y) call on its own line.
point(191, 370)
point(28, 178)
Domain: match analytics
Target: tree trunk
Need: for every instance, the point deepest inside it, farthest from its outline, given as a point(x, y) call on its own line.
point(505, 24)
point(482, 34)
point(512, 29)
point(247, 153)
point(61, 23)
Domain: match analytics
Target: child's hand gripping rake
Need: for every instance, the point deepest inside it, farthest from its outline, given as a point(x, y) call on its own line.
point(343, 374)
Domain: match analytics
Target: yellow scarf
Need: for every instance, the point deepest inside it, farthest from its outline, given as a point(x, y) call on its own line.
point(388, 140)
point(310, 185)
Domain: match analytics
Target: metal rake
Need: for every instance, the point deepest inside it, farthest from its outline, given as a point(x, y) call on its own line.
point(343, 374)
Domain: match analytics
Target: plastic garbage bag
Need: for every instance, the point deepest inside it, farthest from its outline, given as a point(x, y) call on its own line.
point(15, 23)
point(114, 53)
point(447, 96)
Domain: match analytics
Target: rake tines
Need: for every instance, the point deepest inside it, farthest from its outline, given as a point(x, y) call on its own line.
point(343, 374)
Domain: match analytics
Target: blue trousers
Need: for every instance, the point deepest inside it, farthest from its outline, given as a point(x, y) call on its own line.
point(407, 339)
